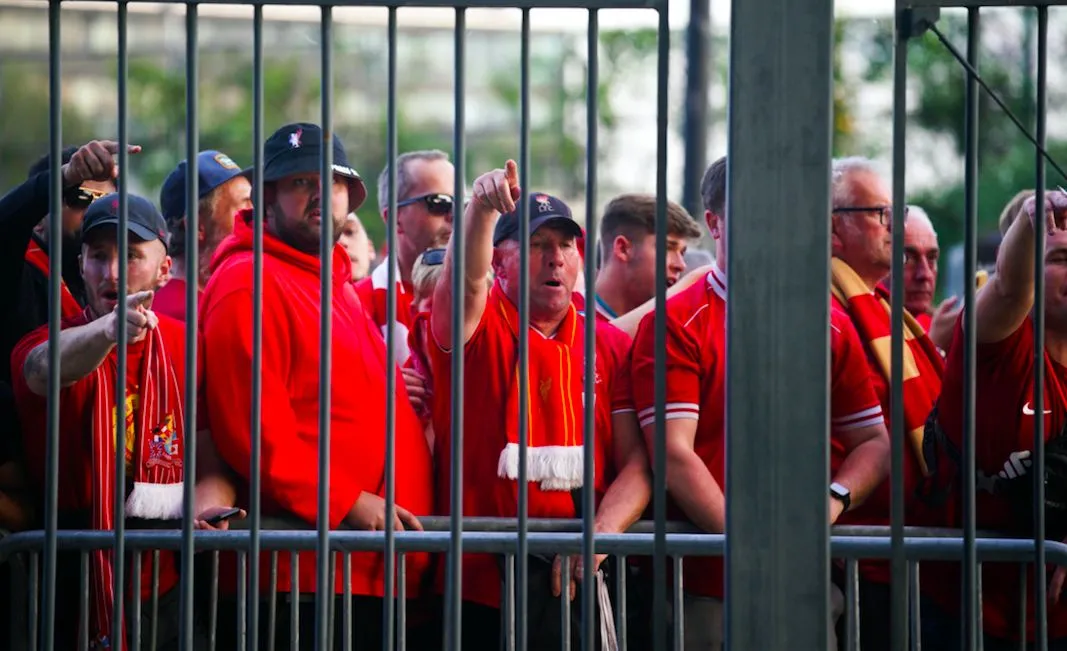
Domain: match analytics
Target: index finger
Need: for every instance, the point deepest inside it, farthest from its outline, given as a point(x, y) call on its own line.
point(140, 298)
point(113, 147)
point(511, 172)
point(409, 520)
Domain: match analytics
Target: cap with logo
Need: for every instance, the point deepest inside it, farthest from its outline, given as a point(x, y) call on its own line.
point(544, 209)
point(213, 168)
point(297, 149)
point(144, 221)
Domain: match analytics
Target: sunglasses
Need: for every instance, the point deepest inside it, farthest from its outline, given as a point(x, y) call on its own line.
point(80, 198)
point(436, 204)
point(433, 257)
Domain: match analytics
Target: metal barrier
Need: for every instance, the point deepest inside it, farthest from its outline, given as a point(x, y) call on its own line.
point(779, 126)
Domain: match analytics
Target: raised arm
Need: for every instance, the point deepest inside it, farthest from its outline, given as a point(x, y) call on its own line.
point(494, 193)
point(1007, 297)
point(83, 348)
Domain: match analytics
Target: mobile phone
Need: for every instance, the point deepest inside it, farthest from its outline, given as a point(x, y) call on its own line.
point(221, 517)
point(980, 278)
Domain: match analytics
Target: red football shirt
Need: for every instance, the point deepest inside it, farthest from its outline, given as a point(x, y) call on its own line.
point(170, 299)
point(1004, 423)
point(489, 368)
point(75, 426)
point(853, 402)
point(373, 292)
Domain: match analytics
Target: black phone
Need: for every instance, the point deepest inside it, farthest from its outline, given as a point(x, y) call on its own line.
point(225, 515)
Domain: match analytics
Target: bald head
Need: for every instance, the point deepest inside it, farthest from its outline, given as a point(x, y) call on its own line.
point(921, 254)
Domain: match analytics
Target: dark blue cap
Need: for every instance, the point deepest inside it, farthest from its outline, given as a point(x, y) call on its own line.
point(213, 168)
point(297, 149)
point(544, 209)
point(144, 220)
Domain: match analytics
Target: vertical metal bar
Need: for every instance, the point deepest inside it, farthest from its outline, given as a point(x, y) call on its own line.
point(1040, 613)
point(1023, 574)
point(119, 498)
point(509, 603)
point(914, 614)
point(346, 630)
point(213, 607)
point(852, 605)
point(522, 558)
point(388, 605)
point(294, 601)
point(402, 599)
point(779, 137)
point(135, 602)
point(255, 475)
point(333, 599)
point(589, 624)
point(272, 607)
point(83, 603)
point(242, 598)
point(55, 315)
point(326, 244)
point(192, 260)
point(659, 371)
point(153, 631)
point(978, 588)
point(970, 559)
point(620, 594)
point(898, 615)
point(565, 604)
point(679, 606)
point(454, 574)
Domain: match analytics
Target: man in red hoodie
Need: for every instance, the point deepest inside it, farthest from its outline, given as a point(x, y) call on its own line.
point(290, 383)
point(154, 420)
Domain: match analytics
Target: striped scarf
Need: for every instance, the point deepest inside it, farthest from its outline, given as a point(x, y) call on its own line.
point(157, 462)
point(870, 313)
point(37, 257)
point(554, 420)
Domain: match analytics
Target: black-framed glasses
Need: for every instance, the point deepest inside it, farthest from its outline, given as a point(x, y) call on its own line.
point(79, 198)
point(436, 203)
point(885, 213)
point(433, 257)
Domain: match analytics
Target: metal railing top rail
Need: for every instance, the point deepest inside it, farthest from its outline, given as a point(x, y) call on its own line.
point(448, 4)
point(967, 4)
point(1004, 550)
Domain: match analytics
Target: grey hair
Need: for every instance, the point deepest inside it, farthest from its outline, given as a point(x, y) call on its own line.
point(403, 179)
point(917, 215)
point(842, 171)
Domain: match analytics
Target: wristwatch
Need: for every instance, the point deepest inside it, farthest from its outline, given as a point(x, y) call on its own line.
point(839, 492)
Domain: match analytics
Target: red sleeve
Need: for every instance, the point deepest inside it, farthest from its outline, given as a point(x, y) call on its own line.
point(853, 402)
point(683, 370)
point(289, 447)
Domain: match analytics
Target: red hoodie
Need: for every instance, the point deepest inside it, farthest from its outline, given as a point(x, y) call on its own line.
point(290, 398)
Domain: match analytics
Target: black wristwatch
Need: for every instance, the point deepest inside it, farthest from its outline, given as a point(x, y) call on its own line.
point(839, 492)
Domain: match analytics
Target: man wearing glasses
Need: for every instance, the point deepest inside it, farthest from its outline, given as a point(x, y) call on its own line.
point(862, 242)
point(425, 181)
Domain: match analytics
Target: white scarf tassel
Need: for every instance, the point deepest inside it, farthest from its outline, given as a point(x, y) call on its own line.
point(155, 501)
point(556, 467)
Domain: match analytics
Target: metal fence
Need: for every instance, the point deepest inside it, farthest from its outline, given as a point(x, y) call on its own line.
point(778, 553)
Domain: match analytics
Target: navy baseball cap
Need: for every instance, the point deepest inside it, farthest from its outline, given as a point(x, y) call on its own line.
point(297, 149)
point(213, 168)
point(144, 220)
point(544, 209)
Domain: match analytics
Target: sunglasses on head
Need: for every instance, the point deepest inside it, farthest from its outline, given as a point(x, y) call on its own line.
point(433, 257)
point(436, 204)
point(80, 198)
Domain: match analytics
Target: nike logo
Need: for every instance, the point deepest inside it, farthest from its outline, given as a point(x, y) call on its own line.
point(1029, 411)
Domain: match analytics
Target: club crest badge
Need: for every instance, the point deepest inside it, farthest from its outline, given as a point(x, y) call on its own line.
point(544, 202)
point(165, 449)
point(294, 138)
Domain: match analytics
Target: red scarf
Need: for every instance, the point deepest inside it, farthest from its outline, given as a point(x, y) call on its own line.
point(157, 462)
point(554, 419)
point(870, 313)
point(36, 256)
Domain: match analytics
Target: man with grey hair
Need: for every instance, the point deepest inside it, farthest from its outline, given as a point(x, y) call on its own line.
point(861, 241)
point(425, 180)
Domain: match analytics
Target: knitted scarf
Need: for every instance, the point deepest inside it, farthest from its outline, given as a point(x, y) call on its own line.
point(158, 445)
point(36, 256)
point(870, 313)
point(554, 419)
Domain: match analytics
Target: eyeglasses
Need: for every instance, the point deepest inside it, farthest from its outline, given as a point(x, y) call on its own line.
point(80, 198)
point(433, 257)
point(885, 213)
point(436, 204)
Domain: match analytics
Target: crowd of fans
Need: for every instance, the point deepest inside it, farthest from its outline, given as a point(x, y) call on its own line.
point(156, 432)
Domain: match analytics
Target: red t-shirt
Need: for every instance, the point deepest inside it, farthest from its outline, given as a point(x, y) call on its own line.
point(1004, 392)
point(290, 399)
point(489, 368)
point(373, 293)
point(75, 428)
point(170, 299)
point(853, 402)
